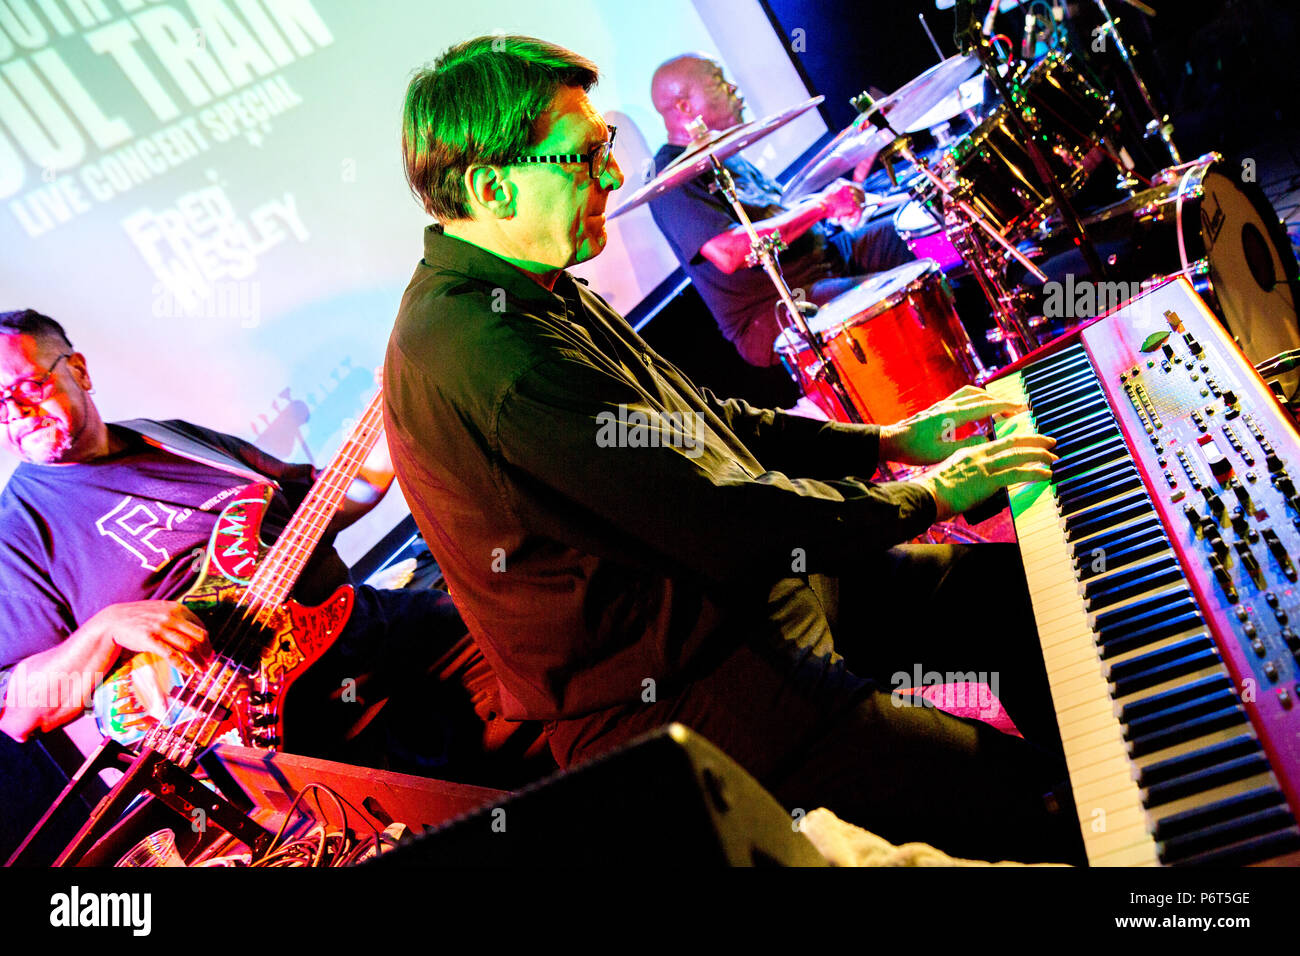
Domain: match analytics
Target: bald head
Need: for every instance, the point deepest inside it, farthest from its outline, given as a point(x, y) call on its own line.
point(694, 85)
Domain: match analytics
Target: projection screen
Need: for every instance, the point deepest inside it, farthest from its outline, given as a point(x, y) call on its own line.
point(208, 194)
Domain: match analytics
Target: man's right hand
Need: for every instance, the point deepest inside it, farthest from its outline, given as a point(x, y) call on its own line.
point(38, 697)
point(843, 200)
point(166, 628)
point(973, 475)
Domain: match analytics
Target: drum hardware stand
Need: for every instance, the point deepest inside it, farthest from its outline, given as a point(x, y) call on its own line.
point(147, 772)
point(933, 42)
point(1015, 330)
point(1159, 124)
point(975, 39)
point(762, 251)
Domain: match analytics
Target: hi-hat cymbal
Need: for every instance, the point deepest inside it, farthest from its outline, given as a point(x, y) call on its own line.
point(698, 158)
point(858, 144)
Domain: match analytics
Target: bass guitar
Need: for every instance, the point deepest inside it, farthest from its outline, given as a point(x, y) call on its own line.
point(262, 640)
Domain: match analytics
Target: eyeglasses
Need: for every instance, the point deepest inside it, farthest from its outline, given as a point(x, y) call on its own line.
point(29, 392)
point(597, 159)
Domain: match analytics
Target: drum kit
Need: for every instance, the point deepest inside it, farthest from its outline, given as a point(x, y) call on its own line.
point(1040, 164)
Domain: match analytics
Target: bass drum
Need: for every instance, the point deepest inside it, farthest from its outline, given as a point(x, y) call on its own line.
point(1070, 119)
point(1223, 234)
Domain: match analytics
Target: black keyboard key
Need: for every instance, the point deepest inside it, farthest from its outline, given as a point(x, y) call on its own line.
point(1198, 781)
point(1199, 818)
point(1159, 627)
point(1107, 515)
point(1227, 834)
point(1132, 680)
point(1249, 851)
point(1208, 756)
point(1101, 593)
point(1221, 718)
point(1137, 709)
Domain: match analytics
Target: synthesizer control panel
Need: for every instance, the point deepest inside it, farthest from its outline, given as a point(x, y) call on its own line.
point(1214, 446)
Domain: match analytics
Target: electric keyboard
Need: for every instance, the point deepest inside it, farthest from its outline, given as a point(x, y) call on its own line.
point(1159, 560)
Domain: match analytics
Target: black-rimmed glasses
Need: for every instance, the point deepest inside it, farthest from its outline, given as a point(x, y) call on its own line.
point(597, 158)
point(29, 392)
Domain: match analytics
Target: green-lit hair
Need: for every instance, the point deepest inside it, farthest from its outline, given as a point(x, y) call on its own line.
point(479, 103)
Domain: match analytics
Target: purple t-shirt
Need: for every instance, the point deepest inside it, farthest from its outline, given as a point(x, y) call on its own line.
point(77, 538)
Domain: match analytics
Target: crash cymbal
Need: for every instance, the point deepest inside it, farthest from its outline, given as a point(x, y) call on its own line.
point(968, 95)
point(853, 146)
point(698, 158)
point(857, 145)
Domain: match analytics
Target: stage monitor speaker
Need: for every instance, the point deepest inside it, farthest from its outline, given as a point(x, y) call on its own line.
point(669, 798)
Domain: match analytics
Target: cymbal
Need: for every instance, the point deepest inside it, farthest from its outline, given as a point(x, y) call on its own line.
point(968, 95)
point(698, 158)
point(858, 144)
point(854, 145)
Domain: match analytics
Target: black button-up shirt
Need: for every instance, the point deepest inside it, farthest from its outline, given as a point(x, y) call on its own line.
point(601, 520)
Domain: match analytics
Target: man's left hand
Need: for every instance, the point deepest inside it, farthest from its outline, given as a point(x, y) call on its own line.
point(930, 436)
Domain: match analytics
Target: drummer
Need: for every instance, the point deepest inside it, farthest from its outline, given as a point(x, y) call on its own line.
point(823, 258)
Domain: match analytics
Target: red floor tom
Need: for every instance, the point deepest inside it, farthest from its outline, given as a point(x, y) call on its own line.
point(895, 340)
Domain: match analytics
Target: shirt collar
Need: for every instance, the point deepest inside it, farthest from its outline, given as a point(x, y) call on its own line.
point(449, 254)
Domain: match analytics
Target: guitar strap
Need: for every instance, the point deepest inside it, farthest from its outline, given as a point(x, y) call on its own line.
point(173, 440)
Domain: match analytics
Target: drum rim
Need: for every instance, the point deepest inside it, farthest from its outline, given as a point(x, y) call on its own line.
point(936, 225)
point(920, 281)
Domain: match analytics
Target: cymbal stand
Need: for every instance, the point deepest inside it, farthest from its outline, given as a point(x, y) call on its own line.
point(977, 41)
point(763, 251)
point(1017, 334)
point(1159, 124)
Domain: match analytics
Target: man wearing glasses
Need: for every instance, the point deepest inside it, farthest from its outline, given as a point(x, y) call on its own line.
point(99, 526)
point(628, 550)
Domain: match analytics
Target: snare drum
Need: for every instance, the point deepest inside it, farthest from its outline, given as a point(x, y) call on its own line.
point(1069, 118)
point(927, 236)
point(895, 340)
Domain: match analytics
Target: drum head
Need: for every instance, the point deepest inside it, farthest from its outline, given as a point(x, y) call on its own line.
point(914, 219)
point(789, 342)
point(873, 296)
point(1252, 269)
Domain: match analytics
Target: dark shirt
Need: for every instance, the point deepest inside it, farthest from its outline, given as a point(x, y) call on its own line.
point(76, 538)
point(743, 302)
point(582, 569)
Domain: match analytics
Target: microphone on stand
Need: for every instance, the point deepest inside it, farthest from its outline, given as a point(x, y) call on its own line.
point(964, 13)
point(990, 17)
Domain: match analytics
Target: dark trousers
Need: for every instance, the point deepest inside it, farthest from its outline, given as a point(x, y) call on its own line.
point(787, 714)
point(915, 772)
